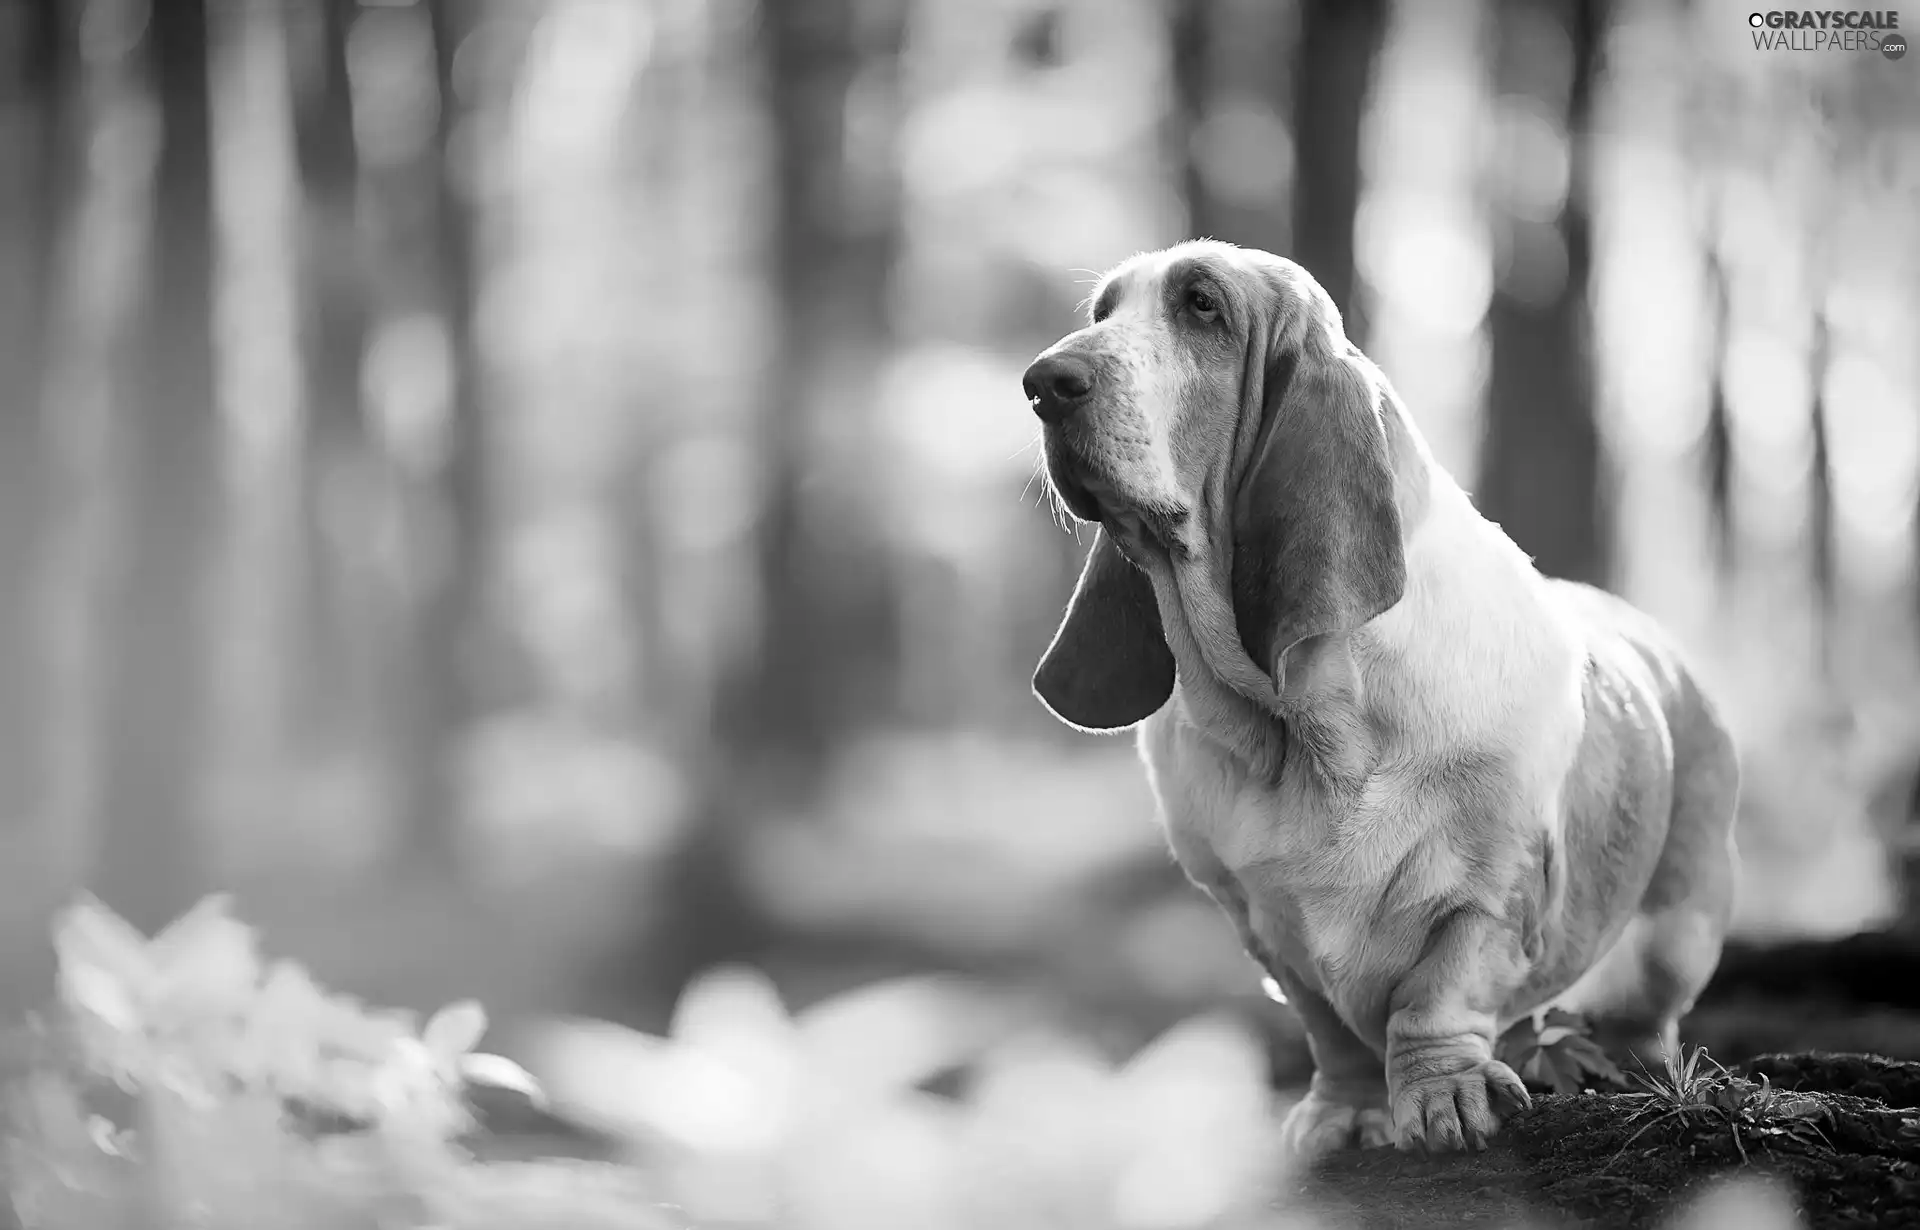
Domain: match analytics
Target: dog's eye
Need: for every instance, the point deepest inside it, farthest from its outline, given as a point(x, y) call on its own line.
point(1203, 304)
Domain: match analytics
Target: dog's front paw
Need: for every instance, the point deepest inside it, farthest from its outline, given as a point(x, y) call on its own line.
point(1444, 1112)
point(1323, 1123)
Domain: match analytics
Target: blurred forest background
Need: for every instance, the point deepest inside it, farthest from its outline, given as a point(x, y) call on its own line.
point(535, 495)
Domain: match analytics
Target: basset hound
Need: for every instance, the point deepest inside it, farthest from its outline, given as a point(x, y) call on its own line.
point(1434, 790)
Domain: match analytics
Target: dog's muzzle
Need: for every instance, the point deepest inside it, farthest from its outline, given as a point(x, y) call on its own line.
point(1058, 385)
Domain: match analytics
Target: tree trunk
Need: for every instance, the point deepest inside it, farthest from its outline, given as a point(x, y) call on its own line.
point(36, 194)
point(1339, 43)
point(333, 686)
point(832, 258)
point(90, 297)
point(156, 716)
point(823, 654)
point(1823, 564)
point(1190, 43)
point(1542, 471)
point(1717, 445)
point(1232, 92)
point(452, 512)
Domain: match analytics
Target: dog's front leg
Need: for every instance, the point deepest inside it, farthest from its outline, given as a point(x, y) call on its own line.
point(1346, 1103)
point(1447, 1090)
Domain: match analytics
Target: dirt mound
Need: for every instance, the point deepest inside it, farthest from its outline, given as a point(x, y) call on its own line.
point(1894, 1082)
point(1842, 1131)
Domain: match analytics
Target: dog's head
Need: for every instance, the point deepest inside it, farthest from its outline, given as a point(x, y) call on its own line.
point(1234, 449)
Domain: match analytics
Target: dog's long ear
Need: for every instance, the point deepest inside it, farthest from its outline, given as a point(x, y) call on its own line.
point(1317, 545)
point(1109, 666)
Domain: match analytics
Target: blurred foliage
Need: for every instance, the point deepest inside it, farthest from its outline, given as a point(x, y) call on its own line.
point(533, 498)
point(183, 1081)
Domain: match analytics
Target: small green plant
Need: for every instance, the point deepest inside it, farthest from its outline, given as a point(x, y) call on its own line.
point(1692, 1086)
point(1692, 1078)
point(1556, 1051)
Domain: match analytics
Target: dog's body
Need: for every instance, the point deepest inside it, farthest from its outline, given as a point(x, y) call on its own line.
point(1433, 789)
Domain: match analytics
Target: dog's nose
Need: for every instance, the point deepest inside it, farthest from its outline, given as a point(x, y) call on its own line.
point(1057, 385)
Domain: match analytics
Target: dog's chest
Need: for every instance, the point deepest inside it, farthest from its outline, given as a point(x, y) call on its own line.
point(1341, 891)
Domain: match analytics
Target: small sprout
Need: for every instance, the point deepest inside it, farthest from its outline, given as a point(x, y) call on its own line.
point(1694, 1086)
point(1685, 1079)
